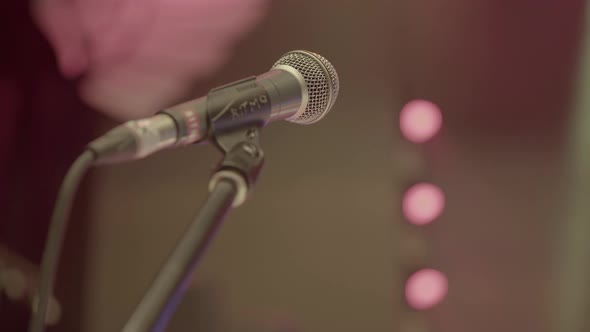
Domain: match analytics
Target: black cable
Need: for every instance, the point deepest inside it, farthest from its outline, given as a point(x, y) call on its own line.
point(55, 237)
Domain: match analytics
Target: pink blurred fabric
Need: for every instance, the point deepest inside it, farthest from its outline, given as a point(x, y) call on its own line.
point(136, 55)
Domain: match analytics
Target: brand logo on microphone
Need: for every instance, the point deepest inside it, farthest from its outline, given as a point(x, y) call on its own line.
point(248, 106)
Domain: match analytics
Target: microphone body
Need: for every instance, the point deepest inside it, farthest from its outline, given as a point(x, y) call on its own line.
point(301, 87)
point(276, 95)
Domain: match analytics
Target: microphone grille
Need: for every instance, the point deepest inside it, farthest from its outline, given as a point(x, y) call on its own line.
point(321, 80)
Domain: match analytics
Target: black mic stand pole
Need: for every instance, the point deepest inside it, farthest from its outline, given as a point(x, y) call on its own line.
point(229, 186)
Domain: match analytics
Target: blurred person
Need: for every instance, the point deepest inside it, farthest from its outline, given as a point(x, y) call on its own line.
point(137, 55)
point(62, 60)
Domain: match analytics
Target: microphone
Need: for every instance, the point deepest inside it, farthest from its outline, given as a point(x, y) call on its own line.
point(301, 87)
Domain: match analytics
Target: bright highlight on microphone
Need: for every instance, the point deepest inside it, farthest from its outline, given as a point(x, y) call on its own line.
point(301, 87)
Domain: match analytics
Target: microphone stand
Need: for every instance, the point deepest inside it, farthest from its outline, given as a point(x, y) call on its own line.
point(234, 178)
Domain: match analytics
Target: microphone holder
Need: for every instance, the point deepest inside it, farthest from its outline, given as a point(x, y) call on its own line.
point(233, 179)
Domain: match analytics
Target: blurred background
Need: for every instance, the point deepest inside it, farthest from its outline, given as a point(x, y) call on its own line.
point(445, 191)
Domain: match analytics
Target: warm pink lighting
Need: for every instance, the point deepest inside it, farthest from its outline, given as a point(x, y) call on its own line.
point(419, 120)
point(423, 203)
point(426, 288)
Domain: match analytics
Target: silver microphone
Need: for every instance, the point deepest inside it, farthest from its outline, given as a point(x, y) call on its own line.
point(301, 87)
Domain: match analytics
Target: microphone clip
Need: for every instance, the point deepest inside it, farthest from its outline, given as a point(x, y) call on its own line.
point(242, 161)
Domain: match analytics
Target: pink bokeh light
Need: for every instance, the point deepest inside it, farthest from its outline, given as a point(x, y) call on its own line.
point(423, 203)
point(426, 288)
point(420, 120)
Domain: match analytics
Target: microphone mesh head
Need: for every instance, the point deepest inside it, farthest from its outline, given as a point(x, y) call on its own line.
point(322, 83)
